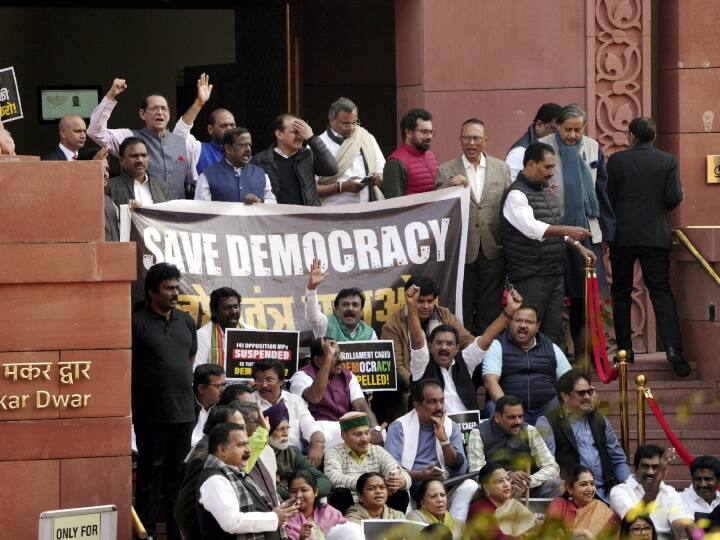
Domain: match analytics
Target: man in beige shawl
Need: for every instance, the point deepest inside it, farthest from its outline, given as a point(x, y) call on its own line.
point(357, 154)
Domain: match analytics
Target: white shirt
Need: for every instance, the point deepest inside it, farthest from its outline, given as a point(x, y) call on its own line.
point(519, 213)
point(300, 381)
point(473, 356)
point(197, 433)
point(317, 319)
point(476, 175)
point(218, 497)
point(694, 503)
point(142, 191)
point(202, 189)
point(514, 160)
point(69, 154)
point(356, 169)
point(302, 423)
point(204, 343)
point(668, 505)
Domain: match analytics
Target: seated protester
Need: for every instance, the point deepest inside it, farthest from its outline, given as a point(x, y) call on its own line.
point(269, 376)
point(578, 434)
point(431, 501)
point(330, 390)
point(507, 440)
point(431, 316)
point(289, 459)
point(702, 497)
point(430, 446)
point(185, 511)
point(313, 520)
point(345, 323)
point(640, 526)
point(230, 502)
point(505, 366)
point(224, 313)
point(134, 187)
point(344, 463)
point(372, 498)
point(234, 178)
point(646, 486)
point(236, 392)
point(442, 359)
point(507, 516)
point(579, 509)
point(208, 382)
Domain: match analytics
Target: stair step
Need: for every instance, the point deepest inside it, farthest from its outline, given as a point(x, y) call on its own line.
point(679, 417)
point(665, 392)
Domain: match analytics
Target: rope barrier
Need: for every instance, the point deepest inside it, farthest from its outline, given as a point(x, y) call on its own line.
point(681, 450)
point(606, 372)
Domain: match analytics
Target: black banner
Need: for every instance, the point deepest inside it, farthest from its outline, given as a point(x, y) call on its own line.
point(466, 421)
point(10, 106)
point(245, 347)
point(372, 362)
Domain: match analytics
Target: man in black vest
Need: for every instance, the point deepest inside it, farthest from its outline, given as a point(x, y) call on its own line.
point(577, 434)
point(533, 239)
point(443, 360)
point(507, 439)
point(230, 504)
point(545, 123)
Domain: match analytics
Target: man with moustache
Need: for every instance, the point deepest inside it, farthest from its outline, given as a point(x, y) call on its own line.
point(171, 156)
point(534, 240)
point(701, 498)
point(292, 166)
point(412, 167)
point(269, 377)
point(345, 323)
point(230, 503)
point(219, 122)
point(487, 177)
point(73, 135)
point(134, 186)
point(234, 178)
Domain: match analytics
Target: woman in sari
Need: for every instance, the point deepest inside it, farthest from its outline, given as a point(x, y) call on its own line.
point(586, 516)
point(372, 494)
point(431, 500)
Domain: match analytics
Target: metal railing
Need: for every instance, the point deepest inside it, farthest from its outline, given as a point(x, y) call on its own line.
point(685, 241)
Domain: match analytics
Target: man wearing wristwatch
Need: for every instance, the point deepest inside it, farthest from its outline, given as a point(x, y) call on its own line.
point(534, 240)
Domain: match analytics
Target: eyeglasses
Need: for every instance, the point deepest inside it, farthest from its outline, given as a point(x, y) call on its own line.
point(350, 124)
point(585, 393)
point(425, 132)
point(219, 385)
point(641, 530)
point(472, 139)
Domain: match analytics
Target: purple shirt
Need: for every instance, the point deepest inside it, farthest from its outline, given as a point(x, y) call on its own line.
point(326, 517)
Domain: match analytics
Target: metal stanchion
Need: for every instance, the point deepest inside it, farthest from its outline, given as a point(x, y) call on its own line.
point(640, 381)
point(589, 270)
point(137, 524)
point(624, 412)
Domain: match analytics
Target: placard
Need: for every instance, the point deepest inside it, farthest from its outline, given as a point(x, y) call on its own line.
point(245, 347)
point(466, 421)
point(10, 106)
point(372, 363)
point(391, 529)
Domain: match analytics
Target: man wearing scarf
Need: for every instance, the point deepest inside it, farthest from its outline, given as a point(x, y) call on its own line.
point(581, 190)
point(543, 125)
point(358, 157)
point(345, 324)
point(225, 313)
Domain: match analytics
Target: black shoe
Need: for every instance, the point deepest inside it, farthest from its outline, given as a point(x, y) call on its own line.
point(678, 363)
point(630, 358)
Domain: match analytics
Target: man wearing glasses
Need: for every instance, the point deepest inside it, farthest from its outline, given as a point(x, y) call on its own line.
point(208, 383)
point(545, 123)
point(487, 177)
point(578, 434)
point(412, 167)
point(359, 158)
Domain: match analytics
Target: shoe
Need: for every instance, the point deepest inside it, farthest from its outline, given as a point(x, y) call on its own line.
point(630, 358)
point(678, 363)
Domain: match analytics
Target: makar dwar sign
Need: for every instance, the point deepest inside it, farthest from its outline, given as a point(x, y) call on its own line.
point(67, 374)
point(264, 251)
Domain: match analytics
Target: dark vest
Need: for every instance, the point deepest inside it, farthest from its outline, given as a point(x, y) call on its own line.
point(227, 185)
point(168, 160)
point(210, 154)
point(511, 451)
point(527, 139)
point(527, 258)
point(421, 168)
point(336, 399)
point(566, 452)
point(461, 376)
point(525, 370)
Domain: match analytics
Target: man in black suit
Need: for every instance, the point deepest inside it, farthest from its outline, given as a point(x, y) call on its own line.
point(73, 134)
point(643, 186)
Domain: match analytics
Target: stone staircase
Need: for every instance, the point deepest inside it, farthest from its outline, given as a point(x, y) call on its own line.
point(691, 407)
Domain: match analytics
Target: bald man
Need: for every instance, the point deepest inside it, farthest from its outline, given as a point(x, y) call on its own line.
point(219, 122)
point(73, 134)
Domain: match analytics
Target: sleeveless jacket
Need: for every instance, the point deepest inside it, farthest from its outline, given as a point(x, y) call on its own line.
point(509, 450)
point(421, 168)
point(461, 376)
point(525, 370)
point(210, 154)
point(168, 160)
point(336, 399)
point(524, 256)
point(227, 185)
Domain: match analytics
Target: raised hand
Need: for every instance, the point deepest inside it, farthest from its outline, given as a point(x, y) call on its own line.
point(118, 87)
point(204, 88)
point(303, 129)
point(317, 276)
point(514, 301)
point(412, 293)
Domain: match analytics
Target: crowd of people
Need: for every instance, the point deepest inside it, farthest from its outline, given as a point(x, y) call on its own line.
point(313, 456)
